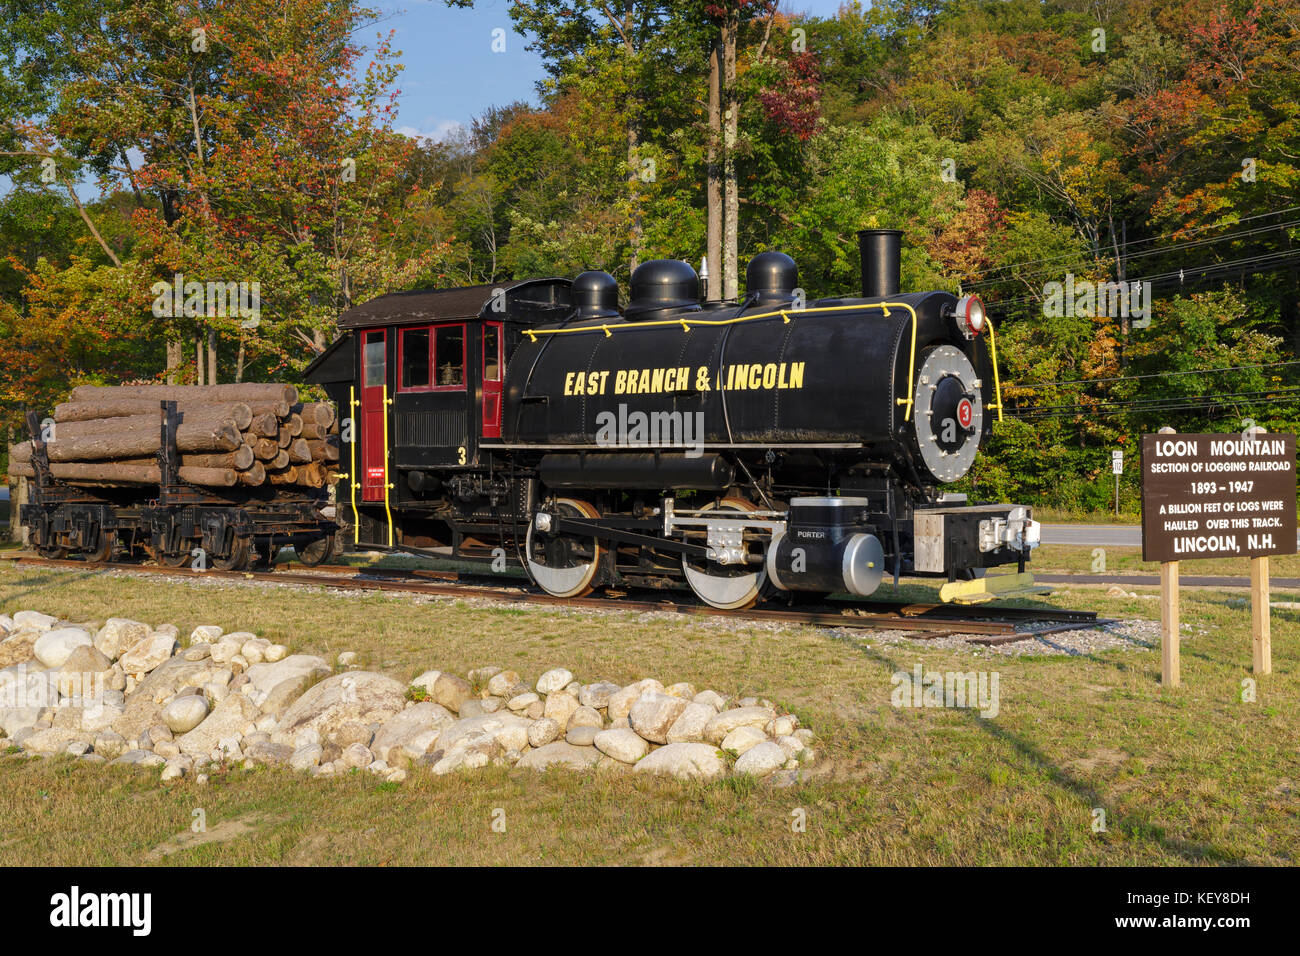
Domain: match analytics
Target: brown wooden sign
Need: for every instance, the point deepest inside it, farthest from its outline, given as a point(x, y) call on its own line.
point(1218, 496)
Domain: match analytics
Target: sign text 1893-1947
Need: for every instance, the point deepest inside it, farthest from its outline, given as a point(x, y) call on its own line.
point(1215, 496)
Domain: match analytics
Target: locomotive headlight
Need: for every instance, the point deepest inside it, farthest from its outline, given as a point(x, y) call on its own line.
point(970, 316)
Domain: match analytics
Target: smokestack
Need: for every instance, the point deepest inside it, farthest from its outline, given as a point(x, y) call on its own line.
point(880, 254)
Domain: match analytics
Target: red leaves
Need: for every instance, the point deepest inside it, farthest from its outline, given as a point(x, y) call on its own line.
point(962, 246)
point(793, 103)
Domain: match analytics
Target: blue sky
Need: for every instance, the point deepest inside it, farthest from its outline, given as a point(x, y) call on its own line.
point(452, 74)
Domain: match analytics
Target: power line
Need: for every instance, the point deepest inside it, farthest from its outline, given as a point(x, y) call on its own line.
point(1136, 242)
point(1173, 399)
point(1125, 378)
point(1162, 250)
point(1181, 275)
point(1183, 403)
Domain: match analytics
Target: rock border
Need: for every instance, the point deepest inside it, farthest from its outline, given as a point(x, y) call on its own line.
point(130, 694)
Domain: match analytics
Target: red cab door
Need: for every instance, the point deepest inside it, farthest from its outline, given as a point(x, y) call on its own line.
point(493, 372)
point(374, 375)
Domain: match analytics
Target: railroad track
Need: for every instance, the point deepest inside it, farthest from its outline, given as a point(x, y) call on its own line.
point(979, 625)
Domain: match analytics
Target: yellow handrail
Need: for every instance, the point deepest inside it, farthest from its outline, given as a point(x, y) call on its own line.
point(911, 369)
point(784, 314)
point(387, 510)
point(686, 323)
point(997, 384)
point(356, 518)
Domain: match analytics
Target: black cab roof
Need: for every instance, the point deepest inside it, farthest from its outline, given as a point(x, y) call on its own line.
point(524, 298)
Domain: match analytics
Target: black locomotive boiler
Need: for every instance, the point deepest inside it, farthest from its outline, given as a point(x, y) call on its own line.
point(771, 442)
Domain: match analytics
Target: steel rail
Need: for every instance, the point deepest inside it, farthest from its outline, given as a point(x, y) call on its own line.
point(928, 621)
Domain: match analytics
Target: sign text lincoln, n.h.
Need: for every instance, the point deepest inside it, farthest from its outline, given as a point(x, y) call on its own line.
point(1215, 496)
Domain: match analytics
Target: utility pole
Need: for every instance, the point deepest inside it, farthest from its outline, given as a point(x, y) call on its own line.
point(1121, 277)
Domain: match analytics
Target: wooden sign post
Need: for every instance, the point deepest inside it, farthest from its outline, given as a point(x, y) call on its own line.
point(1217, 496)
point(1261, 638)
point(1169, 623)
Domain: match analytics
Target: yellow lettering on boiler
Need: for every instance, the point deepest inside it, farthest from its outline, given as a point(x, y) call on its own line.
point(659, 381)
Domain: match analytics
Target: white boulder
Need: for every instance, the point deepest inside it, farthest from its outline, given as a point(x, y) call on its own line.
point(560, 754)
point(409, 735)
point(56, 645)
point(183, 714)
point(35, 620)
point(761, 759)
point(624, 745)
point(358, 696)
point(727, 721)
point(119, 633)
point(742, 739)
point(653, 714)
point(553, 680)
point(147, 653)
point(685, 761)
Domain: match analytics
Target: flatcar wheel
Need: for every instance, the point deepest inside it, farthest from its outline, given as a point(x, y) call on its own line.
point(107, 545)
point(318, 552)
point(563, 565)
point(240, 559)
point(181, 560)
point(727, 587)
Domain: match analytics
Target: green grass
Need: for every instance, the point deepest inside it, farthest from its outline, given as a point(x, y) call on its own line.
point(1185, 776)
point(1063, 516)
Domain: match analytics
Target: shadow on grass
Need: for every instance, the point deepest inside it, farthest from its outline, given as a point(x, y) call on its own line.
point(35, 585)
point(1140, 829)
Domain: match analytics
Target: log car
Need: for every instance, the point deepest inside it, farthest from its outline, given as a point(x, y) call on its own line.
point(176, 522)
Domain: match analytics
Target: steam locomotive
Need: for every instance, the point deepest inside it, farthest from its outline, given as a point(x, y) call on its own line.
point(738, 447)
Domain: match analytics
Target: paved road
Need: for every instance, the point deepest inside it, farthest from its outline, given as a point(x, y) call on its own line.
point(1094, 534)
point(1115, 535)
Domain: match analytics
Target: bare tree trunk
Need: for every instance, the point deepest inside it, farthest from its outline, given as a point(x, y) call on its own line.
point(713, 241)
point(17, 529)
point(633, 141)
point(198, 361)
point(239, 361)
point(731, 197)
point(175, 358)
point(212, 356)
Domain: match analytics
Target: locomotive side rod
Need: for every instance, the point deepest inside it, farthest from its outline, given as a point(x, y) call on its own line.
point(594, 529)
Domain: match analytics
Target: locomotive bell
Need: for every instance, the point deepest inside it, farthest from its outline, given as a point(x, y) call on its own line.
point(771, 275)
point(595, 295)
point(662, 285)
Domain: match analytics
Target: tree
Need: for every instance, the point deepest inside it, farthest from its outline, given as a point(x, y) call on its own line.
point(266, 157)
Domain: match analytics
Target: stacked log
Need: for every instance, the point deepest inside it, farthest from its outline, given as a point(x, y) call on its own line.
point(238, 434)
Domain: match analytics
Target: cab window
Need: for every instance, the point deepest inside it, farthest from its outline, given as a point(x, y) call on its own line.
point(449, 355)
point(491, 353)
point(432, 358)
point(374, 359)
point(415, 359)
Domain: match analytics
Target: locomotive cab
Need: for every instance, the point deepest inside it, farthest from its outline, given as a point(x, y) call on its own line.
point(418, 379)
